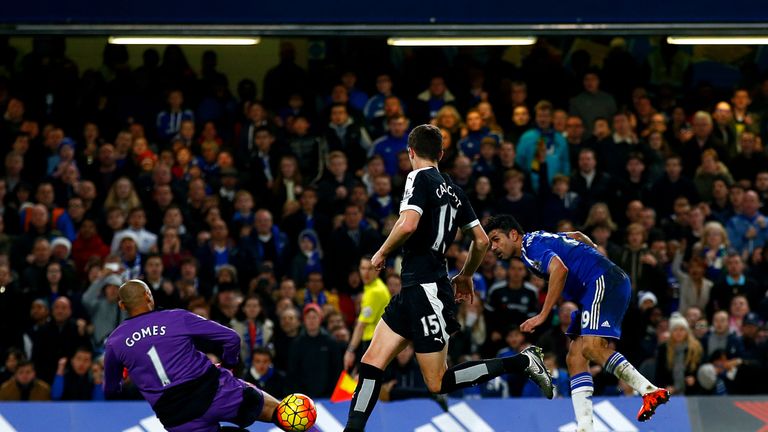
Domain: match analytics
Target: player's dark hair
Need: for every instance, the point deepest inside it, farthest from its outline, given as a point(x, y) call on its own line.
point(426, 141)
point(505, 223)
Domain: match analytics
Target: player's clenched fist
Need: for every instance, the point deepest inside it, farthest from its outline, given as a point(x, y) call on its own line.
point(463, 288)
point(378, 261)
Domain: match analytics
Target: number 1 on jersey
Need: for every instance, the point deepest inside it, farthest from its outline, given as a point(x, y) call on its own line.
point(444, 225)
point(159, 369)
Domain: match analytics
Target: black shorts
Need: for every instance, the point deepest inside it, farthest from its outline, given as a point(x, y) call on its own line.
point(424, 314)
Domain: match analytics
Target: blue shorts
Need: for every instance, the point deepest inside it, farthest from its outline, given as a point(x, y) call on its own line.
point(601, 309)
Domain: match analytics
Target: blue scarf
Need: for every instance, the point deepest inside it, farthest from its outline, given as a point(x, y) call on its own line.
point(321, 298)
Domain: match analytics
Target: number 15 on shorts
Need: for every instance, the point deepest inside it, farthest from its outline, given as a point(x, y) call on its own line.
point(431, 325)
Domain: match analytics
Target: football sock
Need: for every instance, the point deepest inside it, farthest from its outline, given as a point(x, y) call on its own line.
point(624, 370)
point(366, 395)
point(474, 372)
point(581, 397)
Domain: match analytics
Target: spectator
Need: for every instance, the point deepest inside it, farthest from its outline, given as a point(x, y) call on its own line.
point(511, 301)
point(517, 202)
point(711, 168)
point(264, 243)
point(290, 327)
point(476, 131)
point(695, 289)
point(673, 185)
point(345, 135)
point(701, 139)
point(315, 293)
point(122, 195)
point(334, 188)
point(749, 228)
point(101, 302)
point(263, 162)
point(255, 330)
point(137, 220)
point(723, 127)
point(218, 251)
point(169, 121)
point(749, 161)
point(25, 386)
point(374, 107)
point(591, 185)
point(353, 239)
point(309, 260)
point(543, 144)
point(713, 247)
point(429, 102)
point(720, 207)
point(382, 205)
point(76, 382)
point(357, 98)
point(315, 359)
point(392, 107)
point(287, 187)
point(306, 147)
point(163, 291)
point(263, 374)
point(394, 142)
point(57, 338)
point(679, 359)
point(721, 338)
point(592, 102)
point(739, 309)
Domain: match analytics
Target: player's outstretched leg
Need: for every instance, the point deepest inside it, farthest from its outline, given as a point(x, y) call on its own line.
point(597, 349)
point(385, 345)
point(582, 387)
point(467, 374)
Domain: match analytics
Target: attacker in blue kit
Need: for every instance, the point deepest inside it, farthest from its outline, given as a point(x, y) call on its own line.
point(575, 269)
point(186, 391)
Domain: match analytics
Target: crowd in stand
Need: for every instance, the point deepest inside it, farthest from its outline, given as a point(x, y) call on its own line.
point(256, 212)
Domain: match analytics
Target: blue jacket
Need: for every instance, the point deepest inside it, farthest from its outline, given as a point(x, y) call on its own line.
point(737, 228)
point(558, 161)
point(388, 148)
point(168, 123)
point(470, 144)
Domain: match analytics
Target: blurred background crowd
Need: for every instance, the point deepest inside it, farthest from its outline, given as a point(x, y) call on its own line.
point(255, 205)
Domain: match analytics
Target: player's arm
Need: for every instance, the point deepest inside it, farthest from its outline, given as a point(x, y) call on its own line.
point(404, 227)
point(201, 328)
point(462, 282)
point(113, 373)
point(558, 272)
point(581, 237)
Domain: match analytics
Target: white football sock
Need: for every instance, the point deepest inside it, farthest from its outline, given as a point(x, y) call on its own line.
point(582, 407)
point(624, 370)
point(581, 397)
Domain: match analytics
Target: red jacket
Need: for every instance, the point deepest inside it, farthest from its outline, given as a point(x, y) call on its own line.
point(84, 249)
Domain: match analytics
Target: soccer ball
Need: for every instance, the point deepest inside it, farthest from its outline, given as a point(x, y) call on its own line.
point(296, 413)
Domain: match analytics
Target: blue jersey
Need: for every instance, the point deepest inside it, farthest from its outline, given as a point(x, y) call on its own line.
point(585, 264)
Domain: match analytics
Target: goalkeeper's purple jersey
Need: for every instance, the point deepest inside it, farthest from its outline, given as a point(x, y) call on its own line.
point(159, 352)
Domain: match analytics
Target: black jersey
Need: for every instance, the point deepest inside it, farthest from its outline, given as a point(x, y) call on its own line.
point(444, 208)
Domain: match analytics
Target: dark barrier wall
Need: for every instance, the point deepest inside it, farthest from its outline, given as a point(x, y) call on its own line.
point(391, 11)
